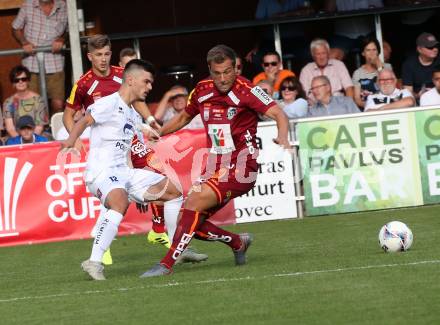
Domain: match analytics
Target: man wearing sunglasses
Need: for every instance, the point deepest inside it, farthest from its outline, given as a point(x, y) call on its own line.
point(273, 71)
point(417, 69)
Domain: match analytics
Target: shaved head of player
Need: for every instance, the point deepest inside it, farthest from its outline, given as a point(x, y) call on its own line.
point(137, 80)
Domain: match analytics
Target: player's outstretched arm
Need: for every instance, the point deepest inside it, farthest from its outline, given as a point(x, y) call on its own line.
point(277, 114)
point(176, 123)
point(77, 130)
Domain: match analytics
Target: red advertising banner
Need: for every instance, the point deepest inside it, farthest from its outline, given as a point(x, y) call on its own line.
point(44, 199)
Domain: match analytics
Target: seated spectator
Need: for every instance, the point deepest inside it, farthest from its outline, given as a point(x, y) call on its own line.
point(172, 103)
point(326, 103)
point(273, 71)
point(126, 55)
point(26, 127)
point(62, 133)
point(293, 98)
point(417, 69)
point(364, 78)
point(389, 96)
point(432, 97)
point(334, 70)
point(23, 102)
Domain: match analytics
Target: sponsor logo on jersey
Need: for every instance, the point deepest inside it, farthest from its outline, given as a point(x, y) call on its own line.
point(206, 113)
point(232, 111)
point(93, 87)
point(219, 137)
point(8, 210)
point(234, 98)
point(203, 98)
point(261, 95)
point(117, 79)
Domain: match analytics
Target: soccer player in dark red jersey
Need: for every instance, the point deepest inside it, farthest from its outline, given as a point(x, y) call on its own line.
point(229, 106)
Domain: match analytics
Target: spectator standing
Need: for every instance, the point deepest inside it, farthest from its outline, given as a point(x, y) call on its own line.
point(432, 97)
point(23, 102)
point(273, 71)
point(293, 98)
point(172, 103)
point(326, 103)
point(417, 69)
point(322, 65)
point(389, 96)
point(26, 134)
point(365, 78)
point(43, 23)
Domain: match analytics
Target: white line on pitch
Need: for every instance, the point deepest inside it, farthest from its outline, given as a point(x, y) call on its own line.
point(220, 280)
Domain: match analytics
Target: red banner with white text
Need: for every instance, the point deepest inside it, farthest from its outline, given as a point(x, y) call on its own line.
point(43, 199)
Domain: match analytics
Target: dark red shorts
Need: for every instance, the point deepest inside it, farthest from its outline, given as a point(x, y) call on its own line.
point(229, 183)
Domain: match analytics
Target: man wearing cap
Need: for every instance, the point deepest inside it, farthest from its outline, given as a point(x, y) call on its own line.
point(417, 70)
point(172, 103)
point(25, 128)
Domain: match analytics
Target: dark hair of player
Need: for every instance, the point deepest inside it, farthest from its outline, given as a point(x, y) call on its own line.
point(220, 53)
point(128, 51)
point(97, 42)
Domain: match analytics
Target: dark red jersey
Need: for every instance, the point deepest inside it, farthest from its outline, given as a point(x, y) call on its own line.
point(230, 119)
point(91, 87)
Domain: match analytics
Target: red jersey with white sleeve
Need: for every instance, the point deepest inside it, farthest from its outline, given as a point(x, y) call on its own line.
point(230, 120)
point(90, 87)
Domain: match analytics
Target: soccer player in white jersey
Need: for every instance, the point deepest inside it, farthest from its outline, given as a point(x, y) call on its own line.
point(113, 123)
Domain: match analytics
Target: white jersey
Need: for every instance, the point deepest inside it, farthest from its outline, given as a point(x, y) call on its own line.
point(111, 134)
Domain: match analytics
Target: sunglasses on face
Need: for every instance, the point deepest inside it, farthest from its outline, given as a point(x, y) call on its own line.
point(23, 79)
point(273, 63)
point(284, 88)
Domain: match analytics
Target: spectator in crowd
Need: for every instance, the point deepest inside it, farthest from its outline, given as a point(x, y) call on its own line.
point(62, 133)
point(333, 69)
point(26, 134)
point(273, 71)
point(326, 103)
point(348, 31)
point(238, 66)
point(389, 96)
point(432, 97)
point(126, 55)
point(417, 69)
point(293, 98)
point(23, 102)
point(365, 78)
point(43, 23)
point(172, 103)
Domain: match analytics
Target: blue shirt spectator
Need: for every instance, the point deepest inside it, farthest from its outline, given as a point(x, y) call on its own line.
point(26, 127)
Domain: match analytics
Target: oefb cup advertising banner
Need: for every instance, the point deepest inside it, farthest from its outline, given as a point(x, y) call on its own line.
point(428, 138)
point(360, 163)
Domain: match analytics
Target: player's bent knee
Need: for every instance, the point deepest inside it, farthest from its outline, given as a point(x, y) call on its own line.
point(117, 200)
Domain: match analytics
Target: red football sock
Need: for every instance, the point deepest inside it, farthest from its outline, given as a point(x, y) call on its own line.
point(158, 218)
point(188, 224)
point(210, 232)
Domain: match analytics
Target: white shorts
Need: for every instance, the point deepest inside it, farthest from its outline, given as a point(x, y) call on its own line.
point(135, 181)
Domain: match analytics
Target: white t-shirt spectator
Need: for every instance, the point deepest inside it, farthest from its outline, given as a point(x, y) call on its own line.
point(296, 109)
point(378, 100)
point(431, 97)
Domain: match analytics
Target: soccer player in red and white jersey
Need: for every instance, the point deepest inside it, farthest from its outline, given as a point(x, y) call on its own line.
point(229, 106)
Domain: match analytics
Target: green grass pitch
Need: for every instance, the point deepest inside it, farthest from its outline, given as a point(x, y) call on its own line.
point(320, 270)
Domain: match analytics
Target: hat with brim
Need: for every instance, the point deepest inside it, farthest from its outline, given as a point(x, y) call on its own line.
point(426, 40)
point(25, 121)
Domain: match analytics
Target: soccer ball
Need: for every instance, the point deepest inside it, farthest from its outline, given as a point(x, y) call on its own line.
point(395, 236)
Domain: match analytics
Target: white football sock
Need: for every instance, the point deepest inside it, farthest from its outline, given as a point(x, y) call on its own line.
point(106, 232)
point(98, 221)
point(171, 213)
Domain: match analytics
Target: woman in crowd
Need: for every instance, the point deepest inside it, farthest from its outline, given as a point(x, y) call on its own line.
point(293, 98)
point(23, 102)
point(365, 78)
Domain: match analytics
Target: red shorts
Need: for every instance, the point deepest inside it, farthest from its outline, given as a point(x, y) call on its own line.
point(229, 183)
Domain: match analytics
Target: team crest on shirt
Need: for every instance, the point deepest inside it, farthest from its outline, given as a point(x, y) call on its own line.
point(232, 111)
point(206, 113)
